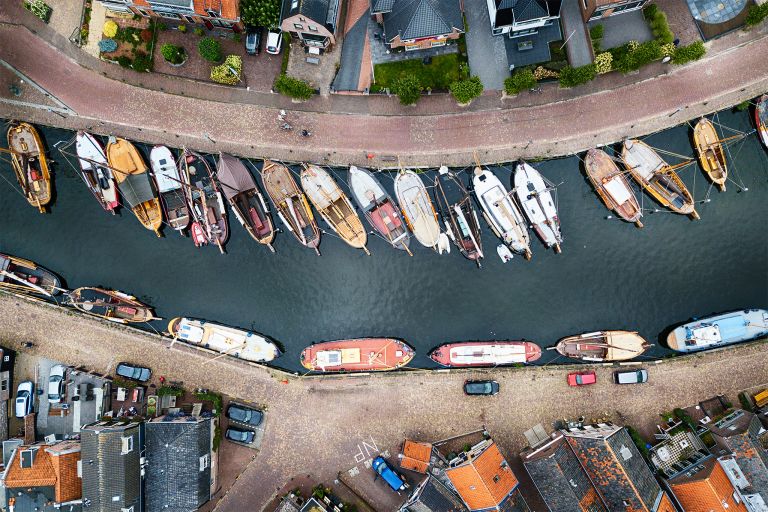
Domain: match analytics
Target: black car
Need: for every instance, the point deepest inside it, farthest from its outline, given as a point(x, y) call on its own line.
point(240, 436)
point(481, 387)
point(133, 372)
point(253, 40)
point(243, 414)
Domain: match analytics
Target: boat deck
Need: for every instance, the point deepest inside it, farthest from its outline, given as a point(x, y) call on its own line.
point(357, 355)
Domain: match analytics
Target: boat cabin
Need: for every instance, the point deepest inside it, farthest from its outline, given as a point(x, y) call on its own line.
point(338, 357)
point(722, 331)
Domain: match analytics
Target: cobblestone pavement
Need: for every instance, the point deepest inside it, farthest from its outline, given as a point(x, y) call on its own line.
point(322, 425)
point(680, 20)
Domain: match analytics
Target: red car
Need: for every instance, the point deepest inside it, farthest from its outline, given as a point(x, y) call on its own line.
point(582, 378)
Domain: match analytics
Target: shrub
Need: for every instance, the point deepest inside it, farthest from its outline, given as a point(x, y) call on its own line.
point(542, 73)
point(264, 13)
point(756, 14)
point(230, 72)
point(172, 53)
point(466, 90)
point(170, 391)
point(571, 77)
point(146, 35)
point(124, 61)
point(658, 23)
point(237, 37)
point(162, 26)
point(603, 63)
point(685, 54)
point(668, 49)
point(199, 32)
point(182, 29)
point(408, 89)
point(293, 87)
point(519, 81)
point(746, 403)
point(596, 32)
point(637, 57)
point(110, 29)
point(142, 62)
point(650, 10)
point(743, 106)
point(639, 442)
point(40, 9)
point(107, 45)
point(210, 49)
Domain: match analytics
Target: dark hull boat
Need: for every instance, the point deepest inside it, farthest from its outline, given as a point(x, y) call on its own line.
point(206, 204)
point(111, 305)
point(458, 215)
point(475, 354)
point(761, 119)
point(24, 276)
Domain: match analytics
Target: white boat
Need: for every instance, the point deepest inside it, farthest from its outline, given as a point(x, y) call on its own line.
point(535, 197)
point(95, 170)
point(719, 330)
point(419, 212)
point(501, 212)
point(169, 185)
point(504, 253)
point(246, 345)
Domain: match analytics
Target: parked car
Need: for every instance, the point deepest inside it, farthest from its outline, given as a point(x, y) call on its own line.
point(240, 436)
point(133, 372)
point(582, 378)
point(25, 398)
point(631, 377)
point(56, 383)
point(274, 41)
point(243, 414)
point(253, 40)
point(481, 387)
point(386, 472)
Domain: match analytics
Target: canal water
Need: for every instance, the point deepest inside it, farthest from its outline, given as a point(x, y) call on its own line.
point(610, 275)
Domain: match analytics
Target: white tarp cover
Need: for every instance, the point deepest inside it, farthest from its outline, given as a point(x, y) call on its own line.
point(617, 189)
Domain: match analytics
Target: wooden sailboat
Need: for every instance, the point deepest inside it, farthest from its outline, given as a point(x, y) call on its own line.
point(206, 204)
point(291, 204)
point(334, 206)
point(24, 276)
point(761, 119)
point(418, 211)
point(535, 197)
point(379, 208)
point(602, 346)
point(30, 164)
point(657, 177)
point(458, 215)
point(95, 171)
point(111, 305)
point(170, 188)
point(132, 178)
point(612, 186)
point(357, 355)
point(246, 345)
point(246, 201)
point(711, 153)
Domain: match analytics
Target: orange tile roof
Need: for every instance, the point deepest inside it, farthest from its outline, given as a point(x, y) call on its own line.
point(666, 504)
point(712, 492)
point(484, 481)
point(54, 466)
point(68, 485)
point(41, 474)
point(416, 456)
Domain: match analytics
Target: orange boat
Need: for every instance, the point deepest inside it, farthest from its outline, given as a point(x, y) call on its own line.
point(357, 355)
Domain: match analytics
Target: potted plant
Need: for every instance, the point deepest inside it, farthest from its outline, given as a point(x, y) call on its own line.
point(174, 55)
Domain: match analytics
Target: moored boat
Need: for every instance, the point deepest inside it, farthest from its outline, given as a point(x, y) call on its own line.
point(291, 204)
point(459, 217)
point(710, 151)
point(246, 345)
point(20, 275)
point(761, 119)
point(95, 171)
point(357, 355)
point(612, 186)
point(719, 330)
point(418, 211)
point(501, 212)
point(206, 203)
point(30, 164)
point(603, 346)
point(170, 187)
point(133, 181)
point(485, 353)
point(378, 207)
point(112, 305)
point(535, 197)
point(334, 206)
point(657, 177)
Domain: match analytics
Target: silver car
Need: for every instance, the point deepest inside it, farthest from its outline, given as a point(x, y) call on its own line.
point(56, 383)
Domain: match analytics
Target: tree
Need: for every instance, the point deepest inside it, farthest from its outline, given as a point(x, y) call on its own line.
point(685, 54)
point(466, 90)
point(571, 77)
point(172, 53)
point(408, 89)
point(521, 80)
point(260, 13)
point(230, 72)
point(210, 49)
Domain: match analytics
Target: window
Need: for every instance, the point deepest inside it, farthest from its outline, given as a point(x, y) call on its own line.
point(294, 4)
point(302, 19)
point(205, 461)
point(3, 385)
point(436, 44)
point(312, 28)
point(127, 446)
point(298, 26)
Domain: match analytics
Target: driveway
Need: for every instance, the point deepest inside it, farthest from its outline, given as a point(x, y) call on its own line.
point(578, 47)
point(486, 52)
point(621, 29)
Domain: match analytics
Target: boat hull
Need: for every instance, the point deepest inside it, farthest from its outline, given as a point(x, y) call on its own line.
point(612, 187)
point(24, 276)
point(710, 151)
point(458, 215)
point(417, 208)
point(291, 204)
point(761, 119)
point(111, 305)
point(537, 202)
point(169, 187)
point(477, 354)
point(501, 212)
point(379, 208)
point(30, 164)
point(357, 355)
point(206, 203)
point(238, 343)
point(95, 172)
point(719, 330)
point(603, 346)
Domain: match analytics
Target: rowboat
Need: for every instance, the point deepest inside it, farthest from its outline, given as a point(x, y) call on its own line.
point(357, 355)
point(378, 207)
point(458, 215)
point(30, 164)
point(291, 204)
point(535, 197)
point(209, 224)
point(501, 212)
point(246, 345)
point(485, 353)
point(719, 330)
point(612, 186)
point(246, 201)
point(95, 171)
point(334, 206)
point(133, 181)
point(24, 276)
point(761, 118)
point(111, 305)
point(710, 150)
point(418, 211)
point(602, 346)
point(657, 177)
point(169, 187)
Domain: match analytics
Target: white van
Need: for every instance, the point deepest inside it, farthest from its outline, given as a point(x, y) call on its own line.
point(631, 377)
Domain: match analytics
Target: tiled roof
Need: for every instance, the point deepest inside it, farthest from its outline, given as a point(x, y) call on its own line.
point(509, 12)
point(433, 496)
point(53, 466)
point(414, 19)
point(708, 490)
point(41, 473)
point(416, 456)
point(355, 66)
point(740, 437)
point(485, 480)
point(379, 6)
point(229, 9)
point(323, 12)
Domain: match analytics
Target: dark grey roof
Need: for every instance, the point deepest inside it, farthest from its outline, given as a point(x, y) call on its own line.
point(107, 473)
point(433, 496)
point(520, 11)
point(348, 77)
point(174, 481)
point(38, 499)
point(540, 50)
point(413, 19)
point(740, 437)
point(380, 6)
point(514, 503)
point(323, 12)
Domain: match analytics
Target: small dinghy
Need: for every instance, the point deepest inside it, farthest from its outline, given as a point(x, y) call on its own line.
point(419, 212)
point(246, 345)
point(334, 206)
point(246, 201)
point(458, 215)
point(206, 204)
point(535, 196)
point(30, 164)
point(357, 355)
point(169, 187)
point(761, 119)
point(378, 207)
point(602, 346)
point(477, 354)
point(111, 305)
point(24, 276)
point(504, 253)
point(710, 150)
point(291, 204)
point(612, 186)
point(95, 171)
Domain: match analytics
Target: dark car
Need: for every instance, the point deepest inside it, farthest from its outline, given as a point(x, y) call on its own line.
point(133, 372)
point(240, 436)
point(243, 414)
point(481, 387)
point(253, 40)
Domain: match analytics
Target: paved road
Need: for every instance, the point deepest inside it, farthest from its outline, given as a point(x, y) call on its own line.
point(579, 46)
point(487, 55)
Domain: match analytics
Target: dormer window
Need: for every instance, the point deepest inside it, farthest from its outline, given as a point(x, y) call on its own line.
point(127, 445)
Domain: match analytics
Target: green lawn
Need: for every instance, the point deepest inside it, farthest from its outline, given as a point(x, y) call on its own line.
point(444, 70)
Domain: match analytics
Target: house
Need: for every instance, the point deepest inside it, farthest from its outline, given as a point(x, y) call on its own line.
point(432, 495)
point(520, 18)
point(416, 456)
point(178, 453)
point(313, 22)
point(111, 467)
point(596, 9)
point(419, 24)
point(6, 389)
point(212, 14)
point(43, 478)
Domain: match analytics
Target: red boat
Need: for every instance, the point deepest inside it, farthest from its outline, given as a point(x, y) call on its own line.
point(485, 353)
point(357, 355)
